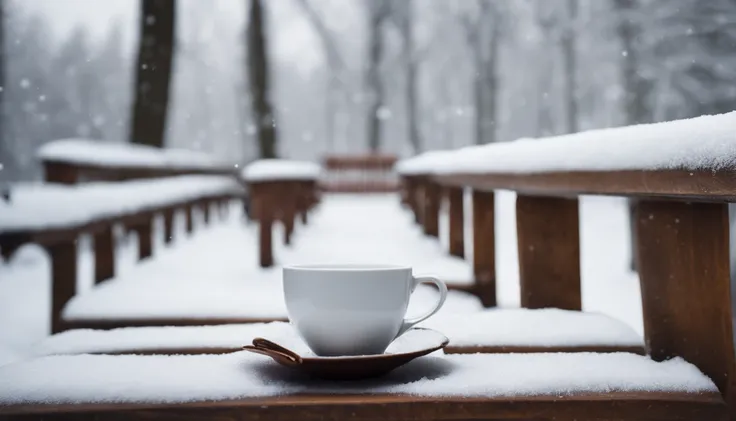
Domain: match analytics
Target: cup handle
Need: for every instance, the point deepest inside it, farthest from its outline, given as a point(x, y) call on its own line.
point(409, 323)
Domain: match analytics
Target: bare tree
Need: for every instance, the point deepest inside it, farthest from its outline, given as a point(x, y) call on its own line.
point(336, 66)
point(547, 22)
point(492, 15)
point(258, 69)
point(153, 72)
point(5, 151)
point(569, 56)
point(636, 88)
point(472, 23)
point(411, 56)
point(378, 11)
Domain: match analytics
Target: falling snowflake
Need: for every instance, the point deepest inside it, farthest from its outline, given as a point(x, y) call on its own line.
point(42, 98)
point(383, 113)
point(150, 20)
point(25, 83)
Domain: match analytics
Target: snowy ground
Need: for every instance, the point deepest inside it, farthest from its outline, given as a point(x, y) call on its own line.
point(344, 229)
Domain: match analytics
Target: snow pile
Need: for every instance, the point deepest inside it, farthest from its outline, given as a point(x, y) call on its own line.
point(543, 328)
point(701, 143)
point(203, 337)
point(97, 153)
point(281, 169)
point(40, 205)
point(8, 355)
point(256, 297)
point(512, 327)
point(170, 379)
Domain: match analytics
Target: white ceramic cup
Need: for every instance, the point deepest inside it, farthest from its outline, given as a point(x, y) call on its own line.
point(352, 309)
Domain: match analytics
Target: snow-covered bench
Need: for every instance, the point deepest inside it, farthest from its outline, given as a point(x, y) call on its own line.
point(682, 175)
point(361, 173)
point(71, 161)
point(246, 386)
point(279, 189)
point(55, 216)
point(492, 331)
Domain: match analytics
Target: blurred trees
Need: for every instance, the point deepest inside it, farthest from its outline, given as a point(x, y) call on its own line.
point(397, 76)
point(258, 72)
point(153, 72)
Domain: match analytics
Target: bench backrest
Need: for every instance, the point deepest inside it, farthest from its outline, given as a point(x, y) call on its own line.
point(359, 173)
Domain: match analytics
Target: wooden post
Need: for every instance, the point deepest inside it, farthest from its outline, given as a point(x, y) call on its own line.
point(206, 205)
point(104, 243)
point(63, 279)
point(484, 247)
point(287, 207)
point(549, 252)
point(189, 216)
point(169, 225)
point(303, 202)
point(419, 201)
point(145, 242)
point(262, 206)
point(683, 258)
point(224, 209)
point(60, 172)
point(431, 208)
point(457, 225)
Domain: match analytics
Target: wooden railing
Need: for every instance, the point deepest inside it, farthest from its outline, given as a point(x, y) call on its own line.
point(682, 225)
point(56, 216)
point(78, 161)
point(372, 173)
point(279, 190)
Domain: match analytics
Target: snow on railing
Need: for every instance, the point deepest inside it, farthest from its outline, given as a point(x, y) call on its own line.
point(42, 206)
point(280, 169)
point(96, 153)
point(701, 143)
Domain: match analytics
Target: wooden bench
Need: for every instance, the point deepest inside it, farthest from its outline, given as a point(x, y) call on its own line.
point(493, 331)
point(73, 161)
point(280, 190)
point(682, 175)
point(56, 216)
point(682, 190)
point(369, 173)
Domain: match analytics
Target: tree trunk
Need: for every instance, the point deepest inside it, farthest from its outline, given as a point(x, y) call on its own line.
point(259, 82)
point(491, 108)
point(636, 88)
point(569, 58)
point(6, 153)
point(153, 72)
point(478, 93)
point(375, 87)
point(411, 80)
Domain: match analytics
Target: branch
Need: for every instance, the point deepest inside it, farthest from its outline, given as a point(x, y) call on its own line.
point(334, 58)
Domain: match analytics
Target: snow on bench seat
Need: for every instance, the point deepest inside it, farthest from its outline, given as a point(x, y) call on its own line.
point(525, 330)
point(97, 153)
point(46, 206)
point(172, 294)
point(700, 143)
point(486, 331)
point(79, 379)
point(280, 169)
